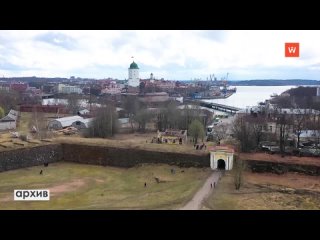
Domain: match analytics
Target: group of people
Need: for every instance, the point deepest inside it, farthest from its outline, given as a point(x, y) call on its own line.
point(45, 165)
point(200, 147)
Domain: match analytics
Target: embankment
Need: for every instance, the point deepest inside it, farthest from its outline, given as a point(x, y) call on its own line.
point(281, 168)
point(28, 157)
point(99, 155)
point(129, 157)
point(119, 157)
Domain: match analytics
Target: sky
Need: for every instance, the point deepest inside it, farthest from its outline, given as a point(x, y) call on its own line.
point(172, 54)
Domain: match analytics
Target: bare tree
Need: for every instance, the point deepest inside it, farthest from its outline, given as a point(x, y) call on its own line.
point(239, 167)
point(105, 123)
point(283, 101)
point(315, 125)
point(38, 125)
point(73, 104)
point(131, 105)
point(169, 117)
point(299, 122)
point(220, 131)
point(142, 117)
point(189, 114)
point(242, 132)
point(256, 123)
point(283, 124)
point(9, 100)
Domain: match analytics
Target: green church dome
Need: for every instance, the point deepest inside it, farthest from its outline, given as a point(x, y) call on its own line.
point(133, 65)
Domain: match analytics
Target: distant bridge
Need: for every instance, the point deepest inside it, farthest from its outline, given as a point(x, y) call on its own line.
point(220, 107)
point(46, 96)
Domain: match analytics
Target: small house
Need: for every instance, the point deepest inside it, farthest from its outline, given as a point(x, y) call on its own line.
point(172, 136)
point(82, 124)
point(9, 121)
point(60, 123)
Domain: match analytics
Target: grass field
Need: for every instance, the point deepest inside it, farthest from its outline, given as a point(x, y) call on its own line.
point(78, 186)
point(137, 141)
point(266, 191)
point(26, 120)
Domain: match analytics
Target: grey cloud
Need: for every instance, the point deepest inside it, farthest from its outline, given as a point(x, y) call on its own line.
point(215, 35)
point(124, 39)
point(58, 39)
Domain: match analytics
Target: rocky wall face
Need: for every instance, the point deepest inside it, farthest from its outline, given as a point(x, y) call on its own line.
point(28, 157)
point(281, 168)
point(119, 157)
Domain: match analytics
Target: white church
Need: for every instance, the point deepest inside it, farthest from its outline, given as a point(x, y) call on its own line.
point(134, 79)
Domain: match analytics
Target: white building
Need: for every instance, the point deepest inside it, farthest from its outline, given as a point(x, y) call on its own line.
point(82, 124)
point(10, 121)
point(64, 122)
point(4, 86)
point(124, 122)
point(318, 91)
point(134, 79)
point(178, 99)
point(67, 89)
point(221, 157)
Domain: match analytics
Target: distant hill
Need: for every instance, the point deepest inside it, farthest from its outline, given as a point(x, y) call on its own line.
point(274, 82)
point(268, 82)
point(302, 91)
point(34, 79)
point(43, 79)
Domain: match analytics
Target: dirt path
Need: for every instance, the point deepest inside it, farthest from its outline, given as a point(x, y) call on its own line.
point(66, 187)
point(195, 203)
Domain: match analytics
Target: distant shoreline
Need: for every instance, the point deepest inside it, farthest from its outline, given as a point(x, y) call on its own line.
point(252, 82)
point(275, 83)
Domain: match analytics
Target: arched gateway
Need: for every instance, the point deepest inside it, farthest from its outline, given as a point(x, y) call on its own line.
point(221, 157)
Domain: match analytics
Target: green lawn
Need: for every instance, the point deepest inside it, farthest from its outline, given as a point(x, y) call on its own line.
point(79, 186)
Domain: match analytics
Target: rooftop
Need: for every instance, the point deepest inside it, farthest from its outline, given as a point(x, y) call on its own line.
point(177, 133)
point(229, 149)
point(133, 65)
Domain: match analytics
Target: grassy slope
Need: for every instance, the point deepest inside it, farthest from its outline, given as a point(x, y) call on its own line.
point(260, 195)
point(104, 187)
point(133, 141)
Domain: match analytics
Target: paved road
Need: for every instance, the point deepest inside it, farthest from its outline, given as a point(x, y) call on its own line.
point(196, 201)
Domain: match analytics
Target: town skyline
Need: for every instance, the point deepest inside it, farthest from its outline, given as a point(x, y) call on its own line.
point(172, 55)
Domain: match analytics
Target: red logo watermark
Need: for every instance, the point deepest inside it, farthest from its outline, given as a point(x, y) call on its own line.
point(292, 49)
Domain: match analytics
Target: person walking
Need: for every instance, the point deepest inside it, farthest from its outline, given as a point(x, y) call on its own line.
point(211, 185)
point(145, 184)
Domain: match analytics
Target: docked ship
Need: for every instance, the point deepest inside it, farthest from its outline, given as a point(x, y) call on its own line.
point(215, 89)
point(214, 93)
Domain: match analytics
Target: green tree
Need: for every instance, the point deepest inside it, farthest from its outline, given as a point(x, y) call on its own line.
point(196, 130)
point(1, 112)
